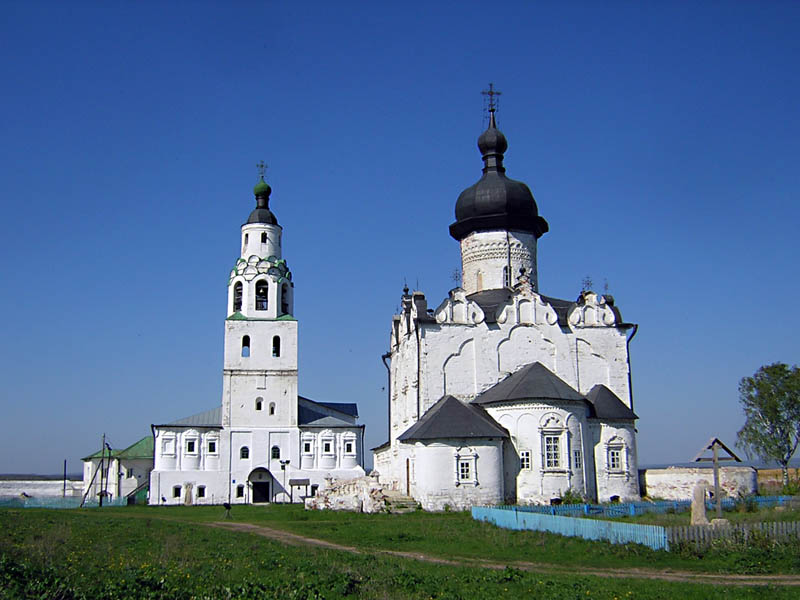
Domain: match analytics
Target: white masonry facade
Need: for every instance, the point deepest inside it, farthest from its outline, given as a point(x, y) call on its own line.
point(264, 442)
point(501, 394)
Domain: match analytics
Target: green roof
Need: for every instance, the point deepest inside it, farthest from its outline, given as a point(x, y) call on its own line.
point(142, 449)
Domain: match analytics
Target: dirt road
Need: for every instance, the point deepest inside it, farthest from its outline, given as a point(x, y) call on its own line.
point(636, 573)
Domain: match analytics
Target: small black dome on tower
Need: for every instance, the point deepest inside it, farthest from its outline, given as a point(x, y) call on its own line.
point(261, 213)
point(496, 201)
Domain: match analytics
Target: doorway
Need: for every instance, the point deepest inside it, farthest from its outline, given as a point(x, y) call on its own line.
point(260, 492)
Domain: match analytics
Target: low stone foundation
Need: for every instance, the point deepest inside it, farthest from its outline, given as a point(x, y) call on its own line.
point(363, 494)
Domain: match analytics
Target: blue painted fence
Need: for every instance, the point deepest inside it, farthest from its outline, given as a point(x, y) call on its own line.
point(630, 509)
point(514, 517)
point(55, 502)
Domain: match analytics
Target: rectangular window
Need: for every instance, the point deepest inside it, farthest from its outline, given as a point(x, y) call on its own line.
point(464, 470)
point(348, 447)
point(176, 491)
point(577, 459)
point(212, 447)
point(201, 491)
point(525, 460)
point(190, 446)
point(326, 448)
point(240, 491)
point(614, 459)
point(306, 447)
point(552, 459)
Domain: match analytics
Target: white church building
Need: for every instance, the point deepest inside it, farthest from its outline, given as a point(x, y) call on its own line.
point(264, 442)
point(502, 394)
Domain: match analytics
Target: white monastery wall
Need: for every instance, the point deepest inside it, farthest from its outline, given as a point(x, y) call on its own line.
point(678, 483)
point(40, 488)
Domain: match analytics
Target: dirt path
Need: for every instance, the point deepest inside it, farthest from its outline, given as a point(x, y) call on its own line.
point(638, 573)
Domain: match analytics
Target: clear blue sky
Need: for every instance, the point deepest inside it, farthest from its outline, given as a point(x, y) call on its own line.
point(661, 141)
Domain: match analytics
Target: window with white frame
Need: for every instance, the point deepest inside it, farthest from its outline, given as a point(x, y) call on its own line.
point(525, 460)
point(552, 452)
point(615, 456)
point(191, 446)
point(327, 446)
point(577, 459)
point(466, 467)
point(212, 446)
point(307, 447)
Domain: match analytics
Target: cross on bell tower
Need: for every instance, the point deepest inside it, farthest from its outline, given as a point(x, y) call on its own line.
point(491, 100)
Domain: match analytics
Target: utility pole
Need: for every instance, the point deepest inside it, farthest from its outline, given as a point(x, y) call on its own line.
point(102, 463)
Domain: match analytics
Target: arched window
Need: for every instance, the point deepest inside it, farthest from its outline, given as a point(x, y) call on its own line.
point(276, 346)
point(276, 453)
point(237, 296)
point(261, 295)
point(285, 299)
point(246, 346)
point(272, 408)
point(264, 237)
point(245, 239)
point(244, 452)
point(259, 402)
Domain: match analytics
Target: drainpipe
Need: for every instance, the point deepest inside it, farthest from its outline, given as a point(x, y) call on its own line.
point(419, 369)
point(628, 348)
point(384, 358)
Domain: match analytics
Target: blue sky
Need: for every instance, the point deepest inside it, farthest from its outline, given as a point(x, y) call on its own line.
point(661, 141)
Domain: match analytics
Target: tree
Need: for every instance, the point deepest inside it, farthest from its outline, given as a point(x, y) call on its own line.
point(771, 403)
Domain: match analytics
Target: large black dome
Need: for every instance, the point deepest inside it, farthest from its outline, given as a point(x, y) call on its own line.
point(496, 201)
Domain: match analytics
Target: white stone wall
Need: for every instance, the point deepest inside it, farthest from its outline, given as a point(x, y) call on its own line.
point(529, 423)
point(493, 259)
point(678, 483)
point(434, 475)
point(40, 488)
point(612, 480)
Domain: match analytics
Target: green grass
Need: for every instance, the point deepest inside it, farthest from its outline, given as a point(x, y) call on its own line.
point(456, 534)
point(92, 554)
point(734, 516)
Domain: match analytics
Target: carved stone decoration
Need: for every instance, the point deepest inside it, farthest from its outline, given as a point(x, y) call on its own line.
point(592, 310)
point(457, 308)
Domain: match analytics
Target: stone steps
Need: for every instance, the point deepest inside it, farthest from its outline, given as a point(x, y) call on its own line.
point(396, 503)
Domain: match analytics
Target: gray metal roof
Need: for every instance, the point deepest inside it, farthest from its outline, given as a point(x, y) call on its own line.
point(450, 418)
point(209, 418)
point(533, 381)
point(317, 414)
point(607, 405)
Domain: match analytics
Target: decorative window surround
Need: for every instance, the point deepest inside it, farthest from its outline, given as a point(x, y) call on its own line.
point(466, 466)
point(616, 457)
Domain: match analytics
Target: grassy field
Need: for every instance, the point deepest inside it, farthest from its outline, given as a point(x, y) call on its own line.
point(734, 516)
point(457, 534)
point(169, 553)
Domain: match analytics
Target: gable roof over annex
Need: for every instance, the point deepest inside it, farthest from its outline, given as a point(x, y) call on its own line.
point(451, 418)
point(532, 382)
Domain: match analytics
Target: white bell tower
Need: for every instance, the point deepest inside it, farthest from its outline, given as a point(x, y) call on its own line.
point(260, 360)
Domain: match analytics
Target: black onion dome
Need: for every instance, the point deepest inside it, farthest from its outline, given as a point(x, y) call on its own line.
point(496, 201)
point(261, 213)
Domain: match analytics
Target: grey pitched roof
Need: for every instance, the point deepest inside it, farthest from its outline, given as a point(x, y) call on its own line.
point(316, 414)
point(209, 418)
point(450, 418)
point(342, 407)
point(533, 381)
point(607, 405)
